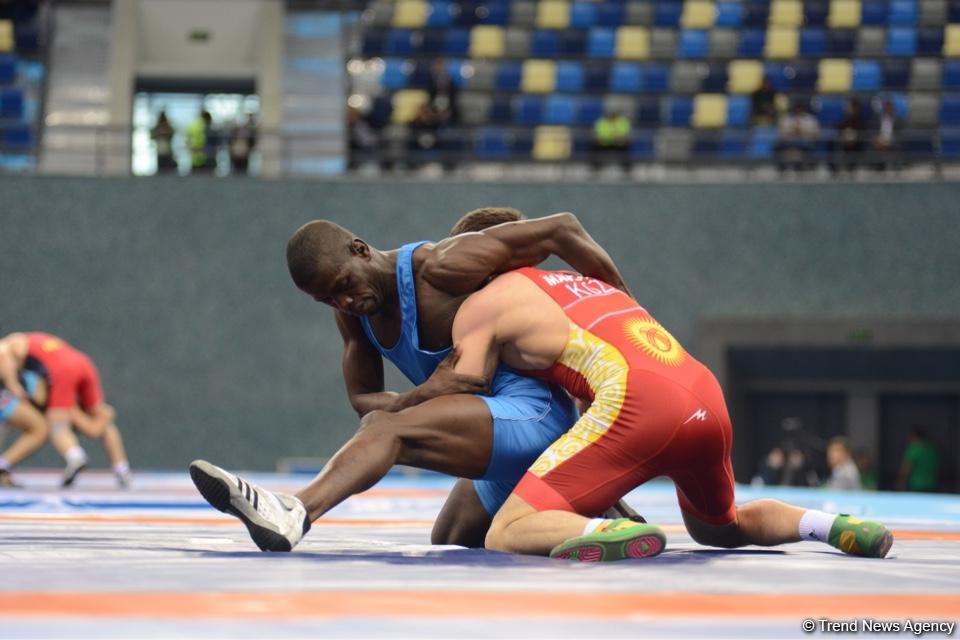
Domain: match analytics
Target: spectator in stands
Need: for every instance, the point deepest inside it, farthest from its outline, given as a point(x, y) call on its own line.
point(849, 143)
point(797, 472)
point(868, 473)
point(920, 468)
point(763, 102)
point(162, 135)
point(243, 139)
point(423, 129)
point(611, 138)
point(885, 141)
point(771, 469)
point(844, 474)
point(798, 132)
point(202, 141)
point(363, 139)
point(443, 94)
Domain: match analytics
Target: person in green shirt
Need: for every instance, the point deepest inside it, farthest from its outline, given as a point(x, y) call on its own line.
point(921, 464)
point(611, 137)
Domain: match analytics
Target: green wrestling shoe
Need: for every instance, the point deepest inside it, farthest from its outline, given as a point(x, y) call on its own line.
point(860, 537)
point(615, 540)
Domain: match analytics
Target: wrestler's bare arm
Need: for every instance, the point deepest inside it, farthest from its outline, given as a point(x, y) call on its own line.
point(13, 351)
point(475, 336)
point(463, 263)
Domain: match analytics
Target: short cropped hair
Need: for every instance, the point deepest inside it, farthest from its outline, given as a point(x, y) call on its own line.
point(485, 217)
point(317, 247)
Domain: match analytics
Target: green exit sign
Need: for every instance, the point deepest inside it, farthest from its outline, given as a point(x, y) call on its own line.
point(199, 35)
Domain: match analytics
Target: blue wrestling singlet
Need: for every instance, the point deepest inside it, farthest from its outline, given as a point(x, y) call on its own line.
point(528, 415)
point(10, 402)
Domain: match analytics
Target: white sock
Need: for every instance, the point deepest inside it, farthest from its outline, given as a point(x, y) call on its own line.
point(592, 525)
point(121, 468)
point(4, 464)
point(815, 525)
point(75, 455)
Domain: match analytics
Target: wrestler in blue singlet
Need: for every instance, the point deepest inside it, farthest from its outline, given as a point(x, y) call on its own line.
point(528, 415)
point(10, 402)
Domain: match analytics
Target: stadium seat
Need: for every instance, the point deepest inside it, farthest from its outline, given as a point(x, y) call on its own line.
point(560, 109)
point(929, 42)
point(815, 12)
point(674, 145)
point(539, 76)
point(583, 15)
point(871, 42)
point(903, 13)
point(638, 12)
point(647, 113)
point(596, 76)
point(589, 110)
point(706, 147)
point(844, 14)
point(829, 110)
point(611, 14)
point(642, 146)
point(570, 76)
point(378, 14)
point(724, 43)
point(552, 143)
point(433, 42)
point(528, 110)
point(780, 74)
point(951, 41)
point(729, 14)
point(738, 111)
point(756, 13)
point(715, 80)
point(733, 144)
point(782, 43)
point(475, 108)
point(372, 43)
point(517, 42)
point(6, 36)
point(803, 75)
point(786, 13)
point(553, 14)
point(933, 13)
point(601, 42)
point(11, 103)
point(573, 42)
point(657, 78)
point(501, 111)
point(924, 110)
point(867, 75)
point(698, 14)
point(693, 44)
point(663, 43)
point(950, 142)
point(813, 42)
point(406, 103)
point(836, 75)
point(381, 111)
point(953, 11)
point(508, 76)
point(545, 43)
point(396, 73)
point(410, 13)
point(874, 12)
point(400, 42)
point(751, 43)
point(926, 74)
point(8, 69)
point(17, 137)
point(951, 74)
point(440, 14)
point(901, 41)
point(950, 109)
point(626, 77)
point(679, 110)
point(456, 42)
point(841, 42)
point(486, 41)
point(709, 111)
point(523, 13)
point(633, 43)
point(667, 14)
point(481, 75)
point(901, 104)
point(492, 142)
point(762, 141)
point(896, 74)
point(745, 76)
point(620, 104)
point(686, 76)
point(496, 12)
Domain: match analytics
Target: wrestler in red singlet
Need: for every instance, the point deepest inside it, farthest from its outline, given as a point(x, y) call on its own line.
point(72, 377)
point(656, 410)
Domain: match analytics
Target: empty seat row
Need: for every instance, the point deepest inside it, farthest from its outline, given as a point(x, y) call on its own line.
point(11, 104)
point(738, 76)
point(639, 43)
point(15, 137)
point(691, 14)
point(8, 69)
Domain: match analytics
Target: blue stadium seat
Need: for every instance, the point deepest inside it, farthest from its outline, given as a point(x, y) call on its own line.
point(733, 144)
point(492, 142)
point(642, 146)
point(729, 14)
point(901, 104)
point(626, 77)
point(440, 14)
point(813, 41)
point(434, 41)
point(873, 12)
point(501, 111)
point(372, 45)
point(954, 12)
point(693, 43)
point(738, 111)
point(396, 73)
point(597, 76)
point(841, 42)
point(917, 146)
point(647, 114)
point(950, 109)
point(495, 13)
point(400, 42)
point(528, 110)
point(657, 77)
point(830, 110)
point(583, 15)
point(27, 39)
point(589, 109)
point(716, 79)
point(545, 43)
point(11, 103)
point(867, 75)
point(679, 110)
point(751, 43)
point(815, 12)
point(456, 70)
point(468, 13)
point(762, 141)
point(601, 42)
point(896, 74)
point(8, 69)
point(610, 14)
point(930, 42)
point(573, 42)
point(804, 75)
point(509, 75)
point(901, 41)
point(381, 111)
point(560, 109)
point(950, 142)
point(903, 12)
point(756, 13)
point(779, 74)
point(706, 146)
point(569, 76)
point(951, 74)
point(667, 14)
point(522, 142)
point(422, 75)
point(456, 42)
point(17, 137)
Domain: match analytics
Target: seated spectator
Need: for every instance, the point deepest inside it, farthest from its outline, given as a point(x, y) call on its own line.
point(443, 94)
point(797, 472)
point(920, 468)
point(771, 469)
point(849, 143)
point(763, 101)
point(798, 131)
point(844, 474)
point(363, 139)
point(885, 141)
point(162, 135)
point(423, 129)
point(243, 139)
point(611, 137)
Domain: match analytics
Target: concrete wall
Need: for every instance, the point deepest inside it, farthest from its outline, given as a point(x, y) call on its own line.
point(178, 287)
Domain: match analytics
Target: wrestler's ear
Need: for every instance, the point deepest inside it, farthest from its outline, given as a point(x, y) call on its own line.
point(359, 248)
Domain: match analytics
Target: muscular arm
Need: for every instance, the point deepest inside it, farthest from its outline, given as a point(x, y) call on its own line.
point(475, 337)
point(462, 263)
point(13, 351)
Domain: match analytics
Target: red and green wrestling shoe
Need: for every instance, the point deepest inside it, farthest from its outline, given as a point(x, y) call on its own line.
point(618, 539)
point(860, 537)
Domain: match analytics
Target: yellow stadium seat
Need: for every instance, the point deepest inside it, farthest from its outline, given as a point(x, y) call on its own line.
point(486, 41)
point(6, 36)
point(406, 103)
point(844, 14)
point(538, 76)
point(835, 75)
point(553, 14)
point(709, 110)
point(698, 14)
point(410, 13)
point(551, 143)
point(786, 13)
point(633, 43)
point(744, 76)
point(951, 41)
point(782, 42)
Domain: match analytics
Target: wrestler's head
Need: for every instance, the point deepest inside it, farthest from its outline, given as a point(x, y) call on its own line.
point(334, 266)
point(485, 217)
